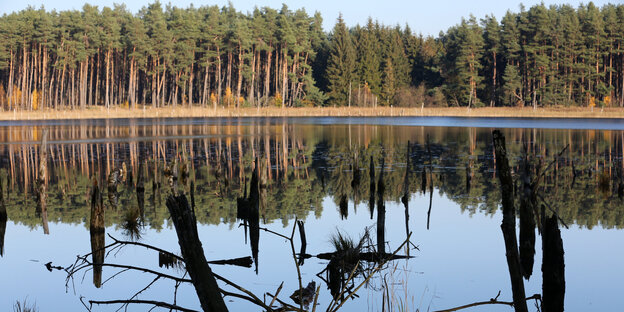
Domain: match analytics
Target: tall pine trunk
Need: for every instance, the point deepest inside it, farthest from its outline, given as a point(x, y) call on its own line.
point(267, 77)
point(239, 83)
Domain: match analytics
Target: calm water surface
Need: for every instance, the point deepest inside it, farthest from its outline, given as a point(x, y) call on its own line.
point(456, 247)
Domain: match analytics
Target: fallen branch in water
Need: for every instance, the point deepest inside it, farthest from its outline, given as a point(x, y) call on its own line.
point(150, 302)
point(491, 301)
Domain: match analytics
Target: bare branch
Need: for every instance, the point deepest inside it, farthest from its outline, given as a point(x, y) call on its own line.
point(151, 302)
point(491, 301)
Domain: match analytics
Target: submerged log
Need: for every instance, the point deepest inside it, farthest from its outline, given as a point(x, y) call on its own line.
point(508, 225)
point(203, 279)
point(553, 266)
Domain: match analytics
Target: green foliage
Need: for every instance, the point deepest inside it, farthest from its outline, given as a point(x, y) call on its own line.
point(165, 55)
point(340, 64)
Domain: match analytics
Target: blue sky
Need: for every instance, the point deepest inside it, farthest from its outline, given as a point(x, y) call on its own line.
point(426, 17)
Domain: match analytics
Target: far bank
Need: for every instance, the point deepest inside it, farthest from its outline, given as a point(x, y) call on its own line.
point(181, 112)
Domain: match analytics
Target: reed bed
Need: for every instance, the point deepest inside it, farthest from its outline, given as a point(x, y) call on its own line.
point(181, 112)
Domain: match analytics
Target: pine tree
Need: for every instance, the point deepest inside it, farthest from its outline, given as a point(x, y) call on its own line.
point(341, 64)
point(492, 38)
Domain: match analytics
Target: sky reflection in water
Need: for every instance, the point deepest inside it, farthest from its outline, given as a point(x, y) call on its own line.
point(461, 258)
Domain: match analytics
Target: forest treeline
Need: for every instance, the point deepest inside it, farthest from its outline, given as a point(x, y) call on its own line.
point(214, 56)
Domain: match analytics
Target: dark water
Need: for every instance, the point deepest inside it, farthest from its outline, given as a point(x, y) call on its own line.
point(456, 245)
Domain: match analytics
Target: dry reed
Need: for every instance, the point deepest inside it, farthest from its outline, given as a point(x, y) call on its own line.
point(169, 112)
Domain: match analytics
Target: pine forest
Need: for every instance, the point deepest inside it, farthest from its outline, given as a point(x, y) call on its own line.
point(210, 56)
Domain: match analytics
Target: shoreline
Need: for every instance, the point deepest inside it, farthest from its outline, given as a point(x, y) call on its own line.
point(186, 112)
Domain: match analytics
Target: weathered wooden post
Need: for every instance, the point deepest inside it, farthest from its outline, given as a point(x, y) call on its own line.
point(97, 230)
point(508, 225)
point(553, 266)
point(193, 254)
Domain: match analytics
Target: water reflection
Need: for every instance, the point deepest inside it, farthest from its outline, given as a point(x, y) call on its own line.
point(97, 232)
point(261, 172)
point(3, 219)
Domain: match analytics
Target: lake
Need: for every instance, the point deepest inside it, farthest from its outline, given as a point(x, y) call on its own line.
point(434, 180)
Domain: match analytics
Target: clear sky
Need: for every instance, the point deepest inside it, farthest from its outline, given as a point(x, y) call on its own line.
point(428, 17)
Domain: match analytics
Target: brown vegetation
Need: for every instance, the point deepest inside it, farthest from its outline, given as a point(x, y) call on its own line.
point(168, 112)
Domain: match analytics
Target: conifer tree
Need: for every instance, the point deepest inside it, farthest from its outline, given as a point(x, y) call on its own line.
point(340, 64)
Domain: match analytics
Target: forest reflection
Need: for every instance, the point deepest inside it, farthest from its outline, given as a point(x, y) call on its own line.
point(306, 163)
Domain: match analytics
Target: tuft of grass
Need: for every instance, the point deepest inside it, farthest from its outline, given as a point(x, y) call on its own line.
point(342, 242)
point(24, 306)
point(347, 253)
point(132, 224)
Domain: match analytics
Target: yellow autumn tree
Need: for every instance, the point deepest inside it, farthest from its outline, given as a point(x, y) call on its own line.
point(592, 102)
point(229, 99)
point(16, 97)
point(278, 100)
point(35, 99)
point(213, 99)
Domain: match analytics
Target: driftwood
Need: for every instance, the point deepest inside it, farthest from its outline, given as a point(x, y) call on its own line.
point(508, 225)
point(193, 254)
